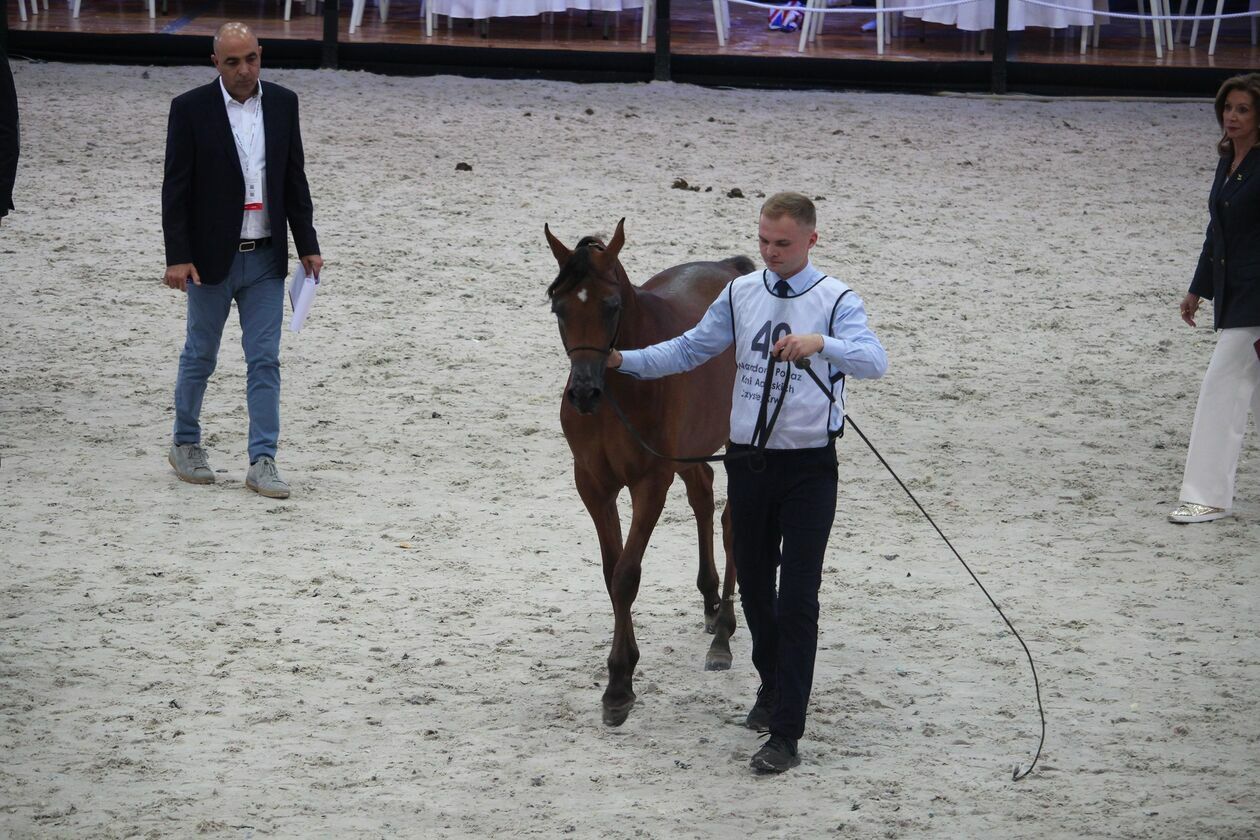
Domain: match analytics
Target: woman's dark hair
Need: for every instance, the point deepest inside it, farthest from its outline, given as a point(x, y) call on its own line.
point(1248, 83)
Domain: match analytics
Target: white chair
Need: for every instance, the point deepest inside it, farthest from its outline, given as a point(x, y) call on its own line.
point(34, 8)
point(891, 22)
point(1096, 28)
point(1157, 26)
point(356, 13)
point(430, 14)
point(1101, 7)
point(1194, 28)
point(1161, 29)
point(812, 24)
point(722, 17)
point(1216, 24)
point(1181, 23)
point(288, 8)
point(75, 7)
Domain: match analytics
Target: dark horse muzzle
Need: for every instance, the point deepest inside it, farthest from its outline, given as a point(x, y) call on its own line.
point(586, 378)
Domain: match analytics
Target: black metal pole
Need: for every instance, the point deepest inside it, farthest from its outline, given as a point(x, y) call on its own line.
point(661, 73)
point(1001, 16)
point(4, 34)
point(332, 11)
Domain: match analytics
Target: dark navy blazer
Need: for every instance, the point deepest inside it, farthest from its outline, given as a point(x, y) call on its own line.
point(8, 135)
point(1229, 267)
point(203, 189)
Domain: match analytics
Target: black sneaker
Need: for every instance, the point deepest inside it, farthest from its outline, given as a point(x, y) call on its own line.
point(776, 755)
point(759, 715)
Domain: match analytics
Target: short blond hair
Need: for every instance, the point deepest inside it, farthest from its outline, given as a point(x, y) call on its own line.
point(793, 205)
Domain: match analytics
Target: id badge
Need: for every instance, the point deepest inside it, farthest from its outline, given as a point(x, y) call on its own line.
point(253, 192)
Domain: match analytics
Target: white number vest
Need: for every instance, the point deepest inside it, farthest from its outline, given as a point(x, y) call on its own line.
point(807, 419)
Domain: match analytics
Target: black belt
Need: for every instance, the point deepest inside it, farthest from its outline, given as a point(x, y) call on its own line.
point(253, 244)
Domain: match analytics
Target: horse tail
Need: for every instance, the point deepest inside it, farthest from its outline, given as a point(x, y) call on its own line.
point(741, 264)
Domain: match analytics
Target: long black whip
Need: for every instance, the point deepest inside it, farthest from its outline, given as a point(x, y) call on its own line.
point(1015, 775)
point(804, 365)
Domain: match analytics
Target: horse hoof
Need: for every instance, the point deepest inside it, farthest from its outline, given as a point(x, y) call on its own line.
point(718, 661)
point(616, 715)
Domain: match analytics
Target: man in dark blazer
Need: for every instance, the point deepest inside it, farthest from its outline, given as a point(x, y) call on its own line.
point(234, 179)
point(8, 135)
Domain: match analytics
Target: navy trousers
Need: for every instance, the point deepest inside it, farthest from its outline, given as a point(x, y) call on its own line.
point(782, 516)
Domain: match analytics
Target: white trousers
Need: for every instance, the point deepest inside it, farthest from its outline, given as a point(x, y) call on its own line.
point(1231, 387)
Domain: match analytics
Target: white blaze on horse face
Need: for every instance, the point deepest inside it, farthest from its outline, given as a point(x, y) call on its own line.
point(581, 295)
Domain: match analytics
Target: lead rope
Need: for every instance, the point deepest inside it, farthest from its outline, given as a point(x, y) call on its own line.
point(764, 426)
point(1015, 775)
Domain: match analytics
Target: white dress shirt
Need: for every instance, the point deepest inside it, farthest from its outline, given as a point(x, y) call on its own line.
point(246, 121)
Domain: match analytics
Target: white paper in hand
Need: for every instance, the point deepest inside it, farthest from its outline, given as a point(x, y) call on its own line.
point(301, 296)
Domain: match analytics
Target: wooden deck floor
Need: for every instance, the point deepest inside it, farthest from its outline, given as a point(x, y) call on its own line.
point(693, 33)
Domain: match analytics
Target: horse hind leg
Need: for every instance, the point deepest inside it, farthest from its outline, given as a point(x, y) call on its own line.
point(719, 615)
point(719, 655)
point(699, 482)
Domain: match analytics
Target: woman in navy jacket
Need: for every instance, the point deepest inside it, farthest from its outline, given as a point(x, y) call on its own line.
point(1228, 275)
point(8, 135)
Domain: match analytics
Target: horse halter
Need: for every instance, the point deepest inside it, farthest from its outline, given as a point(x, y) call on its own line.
point(603, 351)
point(612, 342)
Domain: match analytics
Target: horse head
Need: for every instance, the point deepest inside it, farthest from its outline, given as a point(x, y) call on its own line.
point(588, 298)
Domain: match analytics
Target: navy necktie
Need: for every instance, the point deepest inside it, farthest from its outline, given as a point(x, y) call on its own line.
point(782, 289)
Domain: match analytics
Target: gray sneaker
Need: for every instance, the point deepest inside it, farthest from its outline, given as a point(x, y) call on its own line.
point(264, 478)
point(190, 463)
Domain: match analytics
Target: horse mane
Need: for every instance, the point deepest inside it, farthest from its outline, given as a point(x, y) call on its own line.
point(577, 267)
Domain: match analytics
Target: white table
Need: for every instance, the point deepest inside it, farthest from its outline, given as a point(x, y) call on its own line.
point(977, 15)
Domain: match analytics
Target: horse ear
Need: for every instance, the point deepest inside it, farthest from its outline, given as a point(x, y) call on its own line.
point(557, 247)
point(619, 239)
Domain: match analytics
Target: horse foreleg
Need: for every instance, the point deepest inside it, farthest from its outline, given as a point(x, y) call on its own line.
point(699, 481)
point(600, 498)
point(648, 498)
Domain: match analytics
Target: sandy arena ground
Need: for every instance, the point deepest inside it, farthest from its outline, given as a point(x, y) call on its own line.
point(413, 645)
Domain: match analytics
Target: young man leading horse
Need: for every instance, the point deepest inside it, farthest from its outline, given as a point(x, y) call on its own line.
point(782, 494)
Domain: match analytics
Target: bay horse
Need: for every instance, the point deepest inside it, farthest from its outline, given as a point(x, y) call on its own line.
point(597, 308)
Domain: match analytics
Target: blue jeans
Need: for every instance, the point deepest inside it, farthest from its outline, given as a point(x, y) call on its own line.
point(256, 283)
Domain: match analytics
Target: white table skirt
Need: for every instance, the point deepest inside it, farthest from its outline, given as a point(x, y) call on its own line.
point(483, 9)
point(978, 15)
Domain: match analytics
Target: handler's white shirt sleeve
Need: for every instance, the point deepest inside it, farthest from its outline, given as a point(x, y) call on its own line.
point(689, 350)
point(854, 349)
